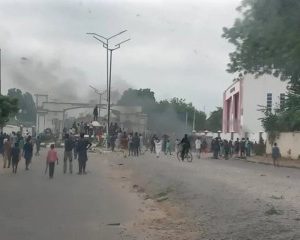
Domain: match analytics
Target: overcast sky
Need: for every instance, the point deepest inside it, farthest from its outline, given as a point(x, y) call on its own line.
point(176, 47)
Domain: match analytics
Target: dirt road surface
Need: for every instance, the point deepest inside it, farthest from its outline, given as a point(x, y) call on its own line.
point(219, 199)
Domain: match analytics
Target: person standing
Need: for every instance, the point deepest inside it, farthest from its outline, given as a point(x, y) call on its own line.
point(51, 159)
point(124, 144)
point(177, 142)
point(141, 143)
point(248, 147)
point(113, 142)
point(168, 147)
point(27, 152)
point(216, 148)
point(152, 143)
point(130, 145)
point(158, 147)
point(68, 154)
point(6, 152)
point(136, 144)
point(276, 155)
point(198, 147)
point(226, 149)
point(82, 147)
point(243, 148)
point(15, 157)
point(237, 147)
point(1, 143)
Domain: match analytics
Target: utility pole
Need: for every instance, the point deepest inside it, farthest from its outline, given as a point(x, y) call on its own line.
point(186, 119)
point(0, 74)
point(105, 43)
point(194, 120)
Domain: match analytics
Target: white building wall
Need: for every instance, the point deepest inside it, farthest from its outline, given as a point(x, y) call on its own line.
point(288, 143)
point(255, 92)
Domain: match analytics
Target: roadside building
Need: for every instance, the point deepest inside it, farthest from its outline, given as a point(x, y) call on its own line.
point(243, 101)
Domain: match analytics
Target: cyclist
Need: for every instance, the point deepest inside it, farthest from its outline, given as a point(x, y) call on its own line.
point(186, 145)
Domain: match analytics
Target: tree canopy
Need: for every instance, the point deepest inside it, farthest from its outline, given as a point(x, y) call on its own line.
point(267, 39)
point(214, 121)
point(27, 107)
point(8, 107)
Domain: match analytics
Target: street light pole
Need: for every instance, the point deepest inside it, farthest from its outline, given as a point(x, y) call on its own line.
point(0, 74)
point(105, 43)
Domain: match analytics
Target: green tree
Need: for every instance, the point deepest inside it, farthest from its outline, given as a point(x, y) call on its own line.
point(214, 121)
point(267, 39)
point(27, 107)
point(8, 107)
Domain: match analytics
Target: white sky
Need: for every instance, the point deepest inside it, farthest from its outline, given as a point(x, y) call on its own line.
point(176, 47)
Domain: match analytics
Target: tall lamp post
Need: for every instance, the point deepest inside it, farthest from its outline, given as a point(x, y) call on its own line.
point(0, 74)
point(97, 91)
point(109, 51)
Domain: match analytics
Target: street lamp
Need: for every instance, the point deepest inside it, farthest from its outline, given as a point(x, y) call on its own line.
point(0, 74)
point(105, 43)
point(106, 39)
point(97, 91)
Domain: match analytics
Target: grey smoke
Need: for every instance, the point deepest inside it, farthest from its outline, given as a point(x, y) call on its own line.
point(35, 75)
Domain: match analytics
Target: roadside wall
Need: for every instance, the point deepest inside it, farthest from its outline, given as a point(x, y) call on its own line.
point(289, 144)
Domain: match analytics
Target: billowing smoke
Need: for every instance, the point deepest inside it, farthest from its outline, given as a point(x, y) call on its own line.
point(52, 78)
point(168, 122)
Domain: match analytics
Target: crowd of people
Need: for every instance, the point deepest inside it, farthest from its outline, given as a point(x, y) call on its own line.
point(14, 147)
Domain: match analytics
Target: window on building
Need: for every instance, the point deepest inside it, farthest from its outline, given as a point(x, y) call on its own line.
point(282, 100)
point(269, 101)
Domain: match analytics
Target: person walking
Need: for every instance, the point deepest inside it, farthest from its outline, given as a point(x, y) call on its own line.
point(27, 152)
point(38, 146)
point(82, 147)
point(186, 145)
point(6, 152)
point(198, 147)
point(15, 157)
point(68, 154)
point(276, 155)
point(51, 159)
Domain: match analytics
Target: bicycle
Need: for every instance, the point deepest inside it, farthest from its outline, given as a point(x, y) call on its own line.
point(188, 156)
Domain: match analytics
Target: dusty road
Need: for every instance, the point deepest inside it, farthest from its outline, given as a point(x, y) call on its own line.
point(230, 200)
point(154, 199)
point(69, 207)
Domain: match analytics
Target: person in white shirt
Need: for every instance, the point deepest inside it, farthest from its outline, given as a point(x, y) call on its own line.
point(158, 147)
point(198, 147)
